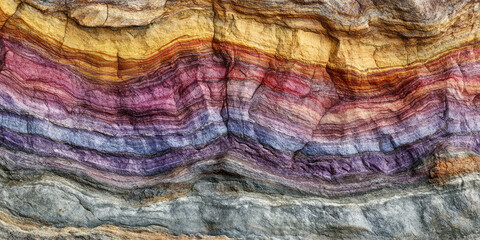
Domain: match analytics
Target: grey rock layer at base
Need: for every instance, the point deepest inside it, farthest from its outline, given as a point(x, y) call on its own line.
point(421, 212)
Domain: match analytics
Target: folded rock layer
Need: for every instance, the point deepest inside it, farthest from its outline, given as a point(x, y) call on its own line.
point(242, 119)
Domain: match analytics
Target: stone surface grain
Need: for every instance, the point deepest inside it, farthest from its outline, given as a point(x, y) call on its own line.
point(217, 119)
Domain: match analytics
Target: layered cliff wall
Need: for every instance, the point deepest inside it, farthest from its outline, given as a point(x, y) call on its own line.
point(288, 119)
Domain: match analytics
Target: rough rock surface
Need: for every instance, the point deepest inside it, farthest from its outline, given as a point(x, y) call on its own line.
point(216, 119)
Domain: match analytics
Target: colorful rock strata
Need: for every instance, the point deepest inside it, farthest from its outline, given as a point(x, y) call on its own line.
point(286, 119)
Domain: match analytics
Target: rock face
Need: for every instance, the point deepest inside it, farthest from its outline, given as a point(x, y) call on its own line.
point(216, 119)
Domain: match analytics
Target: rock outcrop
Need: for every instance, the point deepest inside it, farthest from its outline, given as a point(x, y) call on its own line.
point(271, 119)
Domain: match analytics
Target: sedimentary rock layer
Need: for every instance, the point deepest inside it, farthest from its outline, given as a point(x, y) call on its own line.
point(131, 108)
